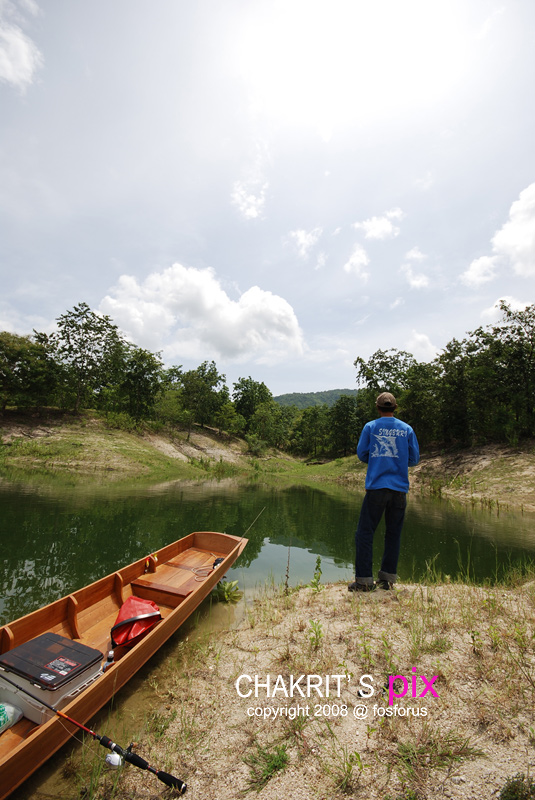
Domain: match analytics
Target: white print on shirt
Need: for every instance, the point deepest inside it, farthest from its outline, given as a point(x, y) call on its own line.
point(385, 445)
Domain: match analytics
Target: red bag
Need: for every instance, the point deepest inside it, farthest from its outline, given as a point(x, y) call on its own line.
point(135, 619)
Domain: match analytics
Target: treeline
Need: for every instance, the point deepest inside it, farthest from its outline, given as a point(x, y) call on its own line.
point(87, 364)
point(477, 390)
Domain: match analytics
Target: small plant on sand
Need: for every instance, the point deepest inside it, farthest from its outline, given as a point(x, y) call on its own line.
point(518, 788)
point(343, 666)
point(365, 646)
point(388, 655)
point(227, 592)
point(315, 633)
point(295, 727)
point(264, 763)
point(315, 583)
point(477, 642)
point(430, 750)
point(344, 765)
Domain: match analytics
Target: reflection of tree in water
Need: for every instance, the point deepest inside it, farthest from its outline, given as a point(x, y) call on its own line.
point(300, 517)
point(53, 546)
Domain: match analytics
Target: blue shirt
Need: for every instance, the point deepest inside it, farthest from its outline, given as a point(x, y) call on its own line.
point(389, 447)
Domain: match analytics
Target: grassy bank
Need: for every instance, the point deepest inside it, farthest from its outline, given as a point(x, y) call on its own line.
point(93, 449)
point(88, 447)
point(467, 653)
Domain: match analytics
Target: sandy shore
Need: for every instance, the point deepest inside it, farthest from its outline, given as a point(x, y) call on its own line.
point(464, 725)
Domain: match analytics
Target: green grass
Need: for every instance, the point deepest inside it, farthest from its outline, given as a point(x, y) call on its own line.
point(264, 763)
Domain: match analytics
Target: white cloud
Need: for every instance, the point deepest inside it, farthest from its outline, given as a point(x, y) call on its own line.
point(416, 280)
point(421, 347)
point(249, 193)
point(186, 312)
point(516, 239)
point(481, 270)
point(399, 301)
point(358, 261)
point(305, 240)
point(249, 197)
point(381, 227)
point(415, 255)
point(20, 57)
point(512, 246)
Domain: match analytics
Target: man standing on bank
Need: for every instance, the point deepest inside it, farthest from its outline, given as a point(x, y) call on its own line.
point(389, 447)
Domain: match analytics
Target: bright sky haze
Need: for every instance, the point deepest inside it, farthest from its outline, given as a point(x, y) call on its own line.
point(279, 186)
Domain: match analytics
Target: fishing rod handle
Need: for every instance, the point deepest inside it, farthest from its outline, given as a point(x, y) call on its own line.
point(170, 780)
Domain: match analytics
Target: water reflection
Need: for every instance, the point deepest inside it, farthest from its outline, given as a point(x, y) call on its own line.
point(55, 542)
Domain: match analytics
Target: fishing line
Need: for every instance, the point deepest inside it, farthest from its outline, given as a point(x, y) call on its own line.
point(252, 523)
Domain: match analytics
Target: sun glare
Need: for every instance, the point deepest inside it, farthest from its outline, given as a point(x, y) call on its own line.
point(331, 64)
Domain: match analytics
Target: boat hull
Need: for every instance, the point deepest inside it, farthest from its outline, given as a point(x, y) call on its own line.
point(166, 575)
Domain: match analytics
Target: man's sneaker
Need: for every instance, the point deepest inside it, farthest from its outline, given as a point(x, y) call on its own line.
point(386, 585)
point(361, 587)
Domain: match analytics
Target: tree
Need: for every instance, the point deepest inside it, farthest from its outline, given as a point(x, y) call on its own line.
point(28, 374)
point(344, 430)
point(516, 334)
point(140, 383)
point(170, 378)
point(248, 395)
point(227, 419)
point(419, 401)
point(203, 392)
point(91, 350)
point(168, 403)
point(453, 399)
point(310, 431)
point(270, 423)
point(385, 370)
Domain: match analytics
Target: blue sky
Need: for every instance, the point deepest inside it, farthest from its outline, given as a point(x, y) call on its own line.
point(277, 186)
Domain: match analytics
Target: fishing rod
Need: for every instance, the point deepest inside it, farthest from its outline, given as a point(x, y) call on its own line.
point(105, 741)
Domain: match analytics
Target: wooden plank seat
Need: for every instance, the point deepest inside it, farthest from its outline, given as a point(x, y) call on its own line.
point(174, 580)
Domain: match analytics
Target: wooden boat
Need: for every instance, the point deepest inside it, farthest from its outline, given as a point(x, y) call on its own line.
point(177, 578)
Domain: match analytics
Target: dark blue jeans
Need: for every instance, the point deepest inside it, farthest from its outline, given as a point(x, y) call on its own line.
point(376, 503)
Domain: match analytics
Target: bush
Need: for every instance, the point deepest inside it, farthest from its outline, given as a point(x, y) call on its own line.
point(123, 422)
point(257, 446)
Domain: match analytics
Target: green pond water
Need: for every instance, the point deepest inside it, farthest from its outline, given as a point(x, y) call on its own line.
point(55, 541)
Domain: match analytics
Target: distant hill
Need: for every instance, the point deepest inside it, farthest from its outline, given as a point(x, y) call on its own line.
point(307, 399)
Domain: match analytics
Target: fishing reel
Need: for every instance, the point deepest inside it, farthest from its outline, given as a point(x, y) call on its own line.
point(117, 757)
point(114, 760)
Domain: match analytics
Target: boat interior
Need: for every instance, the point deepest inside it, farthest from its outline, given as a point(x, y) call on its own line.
point(87, 615)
